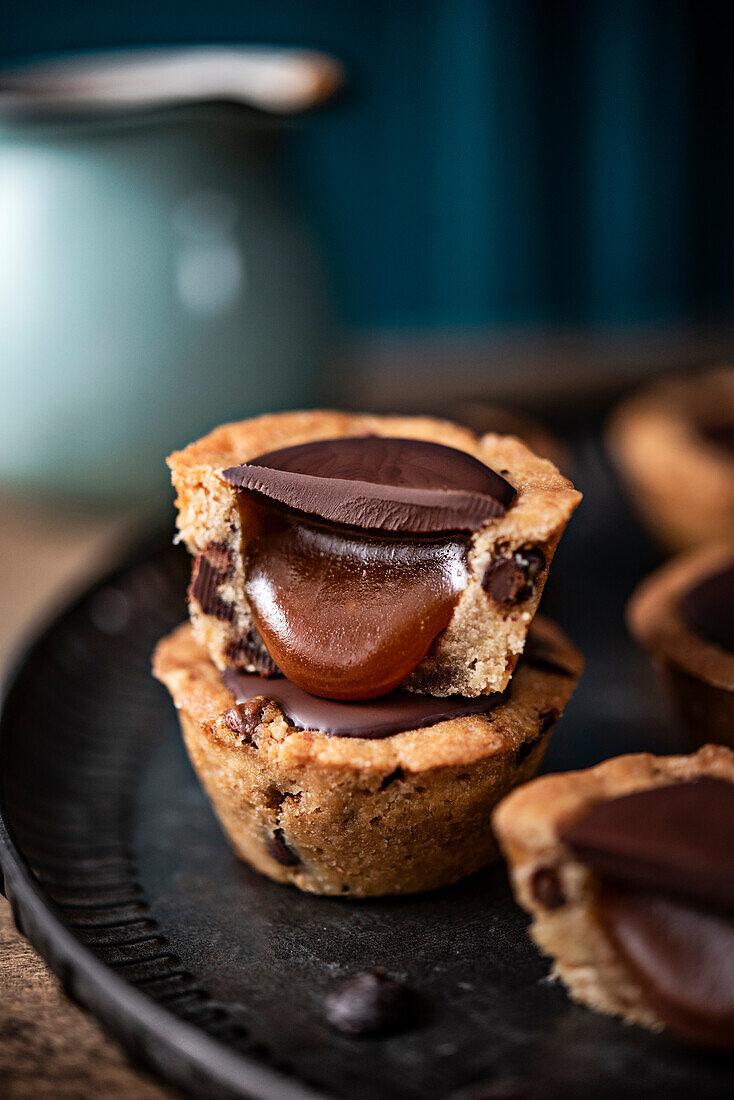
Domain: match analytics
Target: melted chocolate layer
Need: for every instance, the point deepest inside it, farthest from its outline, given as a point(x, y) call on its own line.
point(683, 956)
point(661, 856)
point(393, 713)
point(355, 555)
point(708, 609)
point(380, 484)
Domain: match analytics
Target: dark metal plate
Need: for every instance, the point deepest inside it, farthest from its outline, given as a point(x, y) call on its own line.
point(119, 875)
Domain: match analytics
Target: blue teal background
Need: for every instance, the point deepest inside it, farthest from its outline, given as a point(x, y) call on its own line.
point(491, 163)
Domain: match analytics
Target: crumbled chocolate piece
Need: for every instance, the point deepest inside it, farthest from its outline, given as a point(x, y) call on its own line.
point(546, 887)
point(280, 852)
point(250, 652)
point(370, 1004)
point(243, 718)
point(391, 778)
point(220, 557)
point(205, 580)
point(510, 580)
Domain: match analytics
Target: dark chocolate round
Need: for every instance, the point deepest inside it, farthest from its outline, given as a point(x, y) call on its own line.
point(379, 483)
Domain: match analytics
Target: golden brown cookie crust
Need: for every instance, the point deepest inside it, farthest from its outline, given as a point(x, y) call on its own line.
point(656, 622)
point(527, 825)
point(681, 484)
point(364, 817)
point(477, 652)
point(698, 674)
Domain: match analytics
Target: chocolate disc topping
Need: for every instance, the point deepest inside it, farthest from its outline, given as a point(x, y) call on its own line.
point(380, 484)
point(356, 553)
point(664, 858)
point(708, 609)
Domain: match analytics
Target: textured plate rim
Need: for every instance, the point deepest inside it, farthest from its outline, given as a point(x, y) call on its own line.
point(178, 1052)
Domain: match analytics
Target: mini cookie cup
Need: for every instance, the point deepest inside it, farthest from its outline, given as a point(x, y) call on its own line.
point(355, 816)
point(698, 675)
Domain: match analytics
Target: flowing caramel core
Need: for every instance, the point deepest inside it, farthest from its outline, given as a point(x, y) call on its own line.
point(345, 613)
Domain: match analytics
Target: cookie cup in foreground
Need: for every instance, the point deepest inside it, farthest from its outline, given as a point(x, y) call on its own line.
point(477, 651)
point(672, 443)
point(357, 816)
point(698, 674)
point(560, 892)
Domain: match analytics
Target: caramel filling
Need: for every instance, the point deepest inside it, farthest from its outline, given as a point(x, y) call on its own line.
point(345, 613)
point(355, 554)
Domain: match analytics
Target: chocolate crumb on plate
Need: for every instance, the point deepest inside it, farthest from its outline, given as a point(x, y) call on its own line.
point(370, 1003)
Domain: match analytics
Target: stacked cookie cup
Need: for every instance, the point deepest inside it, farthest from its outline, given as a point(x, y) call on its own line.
point(363, 676)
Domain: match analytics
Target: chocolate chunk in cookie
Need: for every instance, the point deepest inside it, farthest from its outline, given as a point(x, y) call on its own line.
point(510, 580)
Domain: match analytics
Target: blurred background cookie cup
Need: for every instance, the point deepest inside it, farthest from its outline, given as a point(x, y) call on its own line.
point(673, 445)
point(683, 615)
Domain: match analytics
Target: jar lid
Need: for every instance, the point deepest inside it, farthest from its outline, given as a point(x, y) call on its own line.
point(277, 80)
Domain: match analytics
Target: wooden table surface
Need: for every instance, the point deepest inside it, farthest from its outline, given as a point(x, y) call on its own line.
point(49, 1048)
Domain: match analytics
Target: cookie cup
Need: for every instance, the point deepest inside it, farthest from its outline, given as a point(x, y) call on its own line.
point(560, 891)
point(698, 675)
point(363, 817)
point(679, 482)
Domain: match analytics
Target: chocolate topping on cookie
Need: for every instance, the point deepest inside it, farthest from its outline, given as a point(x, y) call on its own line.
point(682, 955)
point(708, 608)
point(676, 838)
point(380, 484)
point(372, 718)
point(356, 554)
point(665, 862)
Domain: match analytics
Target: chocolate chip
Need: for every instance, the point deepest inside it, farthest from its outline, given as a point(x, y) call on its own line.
point(547, 718)
point(250, 652)
point(524, 751)
point(370, 1004)
point(397, 774)
point(546, 887)
point(220, 557)
point(243, 718)
point(205, 580)
point(510, 580)
point(279, 850)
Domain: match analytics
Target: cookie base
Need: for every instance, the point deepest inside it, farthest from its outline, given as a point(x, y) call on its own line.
point(358, 817)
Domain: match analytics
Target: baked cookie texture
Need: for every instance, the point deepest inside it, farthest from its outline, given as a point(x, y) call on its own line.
point(680, 481)
point(697, 673)
point(477, 652)
point(359, 817)
point(559, 892)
